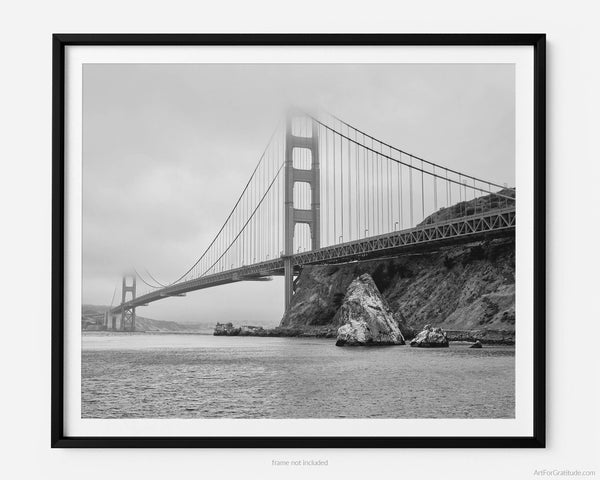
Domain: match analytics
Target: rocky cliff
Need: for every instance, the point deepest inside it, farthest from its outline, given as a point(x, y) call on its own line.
point(469, 287)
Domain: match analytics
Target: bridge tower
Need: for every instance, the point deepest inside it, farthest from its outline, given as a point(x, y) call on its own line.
point(293, 175)
point(127, 314)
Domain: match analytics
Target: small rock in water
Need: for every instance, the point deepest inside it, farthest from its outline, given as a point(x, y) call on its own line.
point(226, 329)
point(366, 317)
point(477, 344)
point(251, 331)
point(430, 338)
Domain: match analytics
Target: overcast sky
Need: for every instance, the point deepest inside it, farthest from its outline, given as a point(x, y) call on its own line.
point(168, 149)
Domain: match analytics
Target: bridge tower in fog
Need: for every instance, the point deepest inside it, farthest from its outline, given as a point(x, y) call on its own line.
point(301, 139)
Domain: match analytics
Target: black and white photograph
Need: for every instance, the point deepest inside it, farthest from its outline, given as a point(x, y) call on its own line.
point(298, 241)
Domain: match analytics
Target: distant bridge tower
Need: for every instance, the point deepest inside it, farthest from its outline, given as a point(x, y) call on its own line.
point(127, 314)
point(293, 175)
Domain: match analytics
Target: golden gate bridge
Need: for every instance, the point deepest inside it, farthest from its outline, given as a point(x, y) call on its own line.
point(324, 191)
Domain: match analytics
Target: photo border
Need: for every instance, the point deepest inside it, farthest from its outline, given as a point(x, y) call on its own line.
point(60, 41)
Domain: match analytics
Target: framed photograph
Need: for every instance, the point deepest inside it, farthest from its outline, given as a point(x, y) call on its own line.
point(298, 240)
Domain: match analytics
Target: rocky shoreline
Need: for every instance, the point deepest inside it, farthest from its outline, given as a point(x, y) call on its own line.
point(364, 318)
point(229, 330)
point(485, 337)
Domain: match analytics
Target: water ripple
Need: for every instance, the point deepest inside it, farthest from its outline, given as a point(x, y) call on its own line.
point(196, 376)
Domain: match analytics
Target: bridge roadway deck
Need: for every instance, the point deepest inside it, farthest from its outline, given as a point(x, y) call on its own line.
point(494, 222)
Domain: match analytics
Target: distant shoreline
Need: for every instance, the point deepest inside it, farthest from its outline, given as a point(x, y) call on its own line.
point(146, 332)
point(454, 336)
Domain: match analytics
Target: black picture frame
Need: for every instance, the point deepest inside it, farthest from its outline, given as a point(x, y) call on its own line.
point(61, 41)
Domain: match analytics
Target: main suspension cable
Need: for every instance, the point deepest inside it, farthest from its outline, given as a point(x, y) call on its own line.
point(402, 151)
point(417, 169)
point(232, 211)
point(144, 281)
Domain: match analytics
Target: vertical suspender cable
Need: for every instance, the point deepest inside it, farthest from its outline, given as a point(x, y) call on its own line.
point(334, 192)
point(410, 174)
point(377, 189)
point(389, 192)
point(342, 185)
point(356, 152)
point(434, 190)
point(349, 190)
point(422, 193)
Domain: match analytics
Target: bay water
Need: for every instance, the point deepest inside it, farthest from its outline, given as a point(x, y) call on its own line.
point(143, 375)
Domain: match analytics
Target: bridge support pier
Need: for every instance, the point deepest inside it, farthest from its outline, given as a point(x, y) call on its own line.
point(293, 215)
point(128, 319)
point(288, 268)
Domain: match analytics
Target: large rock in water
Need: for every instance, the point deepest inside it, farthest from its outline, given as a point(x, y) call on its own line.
point(430, 338)
point(366, 317)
